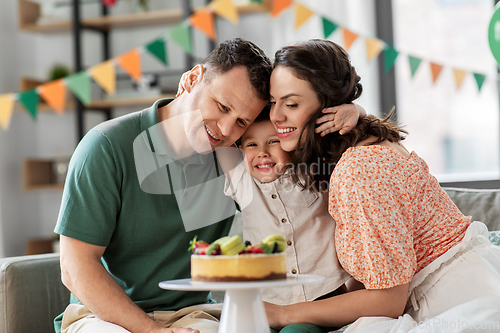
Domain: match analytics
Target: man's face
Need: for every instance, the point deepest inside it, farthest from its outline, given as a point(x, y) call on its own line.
point(226, 106)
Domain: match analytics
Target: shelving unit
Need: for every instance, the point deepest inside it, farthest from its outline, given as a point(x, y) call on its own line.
point(30, 12)
point(38, 173)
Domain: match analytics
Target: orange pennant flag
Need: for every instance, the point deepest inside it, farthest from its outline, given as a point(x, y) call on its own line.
point(279, 6)
point(226, 9)
point(435, 70)
point(349, 38)
point(373, 48)
point(105, 75)
point(302, 14)
point(54, 93)
point(459, 76)
point(131, 63)
point(204, 20)
point(6, 108)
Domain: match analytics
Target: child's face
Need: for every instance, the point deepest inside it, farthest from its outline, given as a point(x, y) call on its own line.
point(263, 154)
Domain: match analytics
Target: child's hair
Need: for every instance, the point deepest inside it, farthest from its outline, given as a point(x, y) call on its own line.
point(327, 68)
point(263, 116)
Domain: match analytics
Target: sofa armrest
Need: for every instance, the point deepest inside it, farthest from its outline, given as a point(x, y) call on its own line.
point(31, 293)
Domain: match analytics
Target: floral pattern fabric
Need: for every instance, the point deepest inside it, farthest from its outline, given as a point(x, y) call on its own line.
point(393, 218)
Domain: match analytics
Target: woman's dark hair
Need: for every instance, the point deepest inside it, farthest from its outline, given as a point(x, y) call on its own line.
point(327, 68)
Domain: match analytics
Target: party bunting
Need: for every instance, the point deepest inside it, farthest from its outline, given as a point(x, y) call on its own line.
point(226, 9)
point(54, 93)
point(390, 55)
point(157, 48)
point(414, 64)
point(204, 20)
point(328, 27)
point(180, 34)
point(349, 38)
point(373, 48)
point(30, 100)
point(479, 80)
point(6, 108)
point(79, 84)
point(278, 6)
point(435, 71)
point(105, 76)
point(459, 76)
point(130, 62)
point(302, 15)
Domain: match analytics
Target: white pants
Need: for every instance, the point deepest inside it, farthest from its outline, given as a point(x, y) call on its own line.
point(205, 318)
point(458, 292)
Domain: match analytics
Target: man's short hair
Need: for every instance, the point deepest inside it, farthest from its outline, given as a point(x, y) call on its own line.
point(239, 52)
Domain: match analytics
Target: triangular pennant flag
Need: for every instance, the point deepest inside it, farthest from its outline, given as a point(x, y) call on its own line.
point(414, 63)
point(105, 76)
point(328, 27)
point(373, 48)
point(54, 93)
point(302, 14)
point(29, 100)
point(390, 55)
point(6, 108)
point(204, 20)
point(79, 84)
point(459, 76)
point(278, 6)
point(180, 34)
point(349, 38)
point(226, 9)
point(130, 62)
point(435, 71)
point(158, 49)
point(479, 80)
point(257, 1)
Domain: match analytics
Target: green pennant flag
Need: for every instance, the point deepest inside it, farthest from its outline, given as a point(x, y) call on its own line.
point(30, 100)
point(181, 35)
point(157, 48)
point(79, 84)
point(479, 80)
point(414, 63)
point(390, 55)
point(256, 1)
point(328, 27)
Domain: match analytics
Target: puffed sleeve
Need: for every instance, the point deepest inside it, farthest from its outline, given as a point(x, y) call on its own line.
point(373, 237)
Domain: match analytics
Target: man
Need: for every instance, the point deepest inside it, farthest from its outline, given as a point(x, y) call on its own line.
point(119, 239)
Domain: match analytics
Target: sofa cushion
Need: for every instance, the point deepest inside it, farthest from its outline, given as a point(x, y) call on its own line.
point(482, 205)
point(31, 293)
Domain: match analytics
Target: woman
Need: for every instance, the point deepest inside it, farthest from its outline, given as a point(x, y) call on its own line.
point(407, 246)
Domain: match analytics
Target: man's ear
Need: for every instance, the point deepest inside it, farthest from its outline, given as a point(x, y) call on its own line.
point(194, 77)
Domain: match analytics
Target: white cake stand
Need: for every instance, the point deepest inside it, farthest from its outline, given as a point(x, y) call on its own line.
point(243, 310)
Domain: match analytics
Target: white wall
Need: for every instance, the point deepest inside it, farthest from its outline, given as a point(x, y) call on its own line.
point(25, 215)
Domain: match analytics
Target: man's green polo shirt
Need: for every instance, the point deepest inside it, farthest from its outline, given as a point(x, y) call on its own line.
point(144, 235)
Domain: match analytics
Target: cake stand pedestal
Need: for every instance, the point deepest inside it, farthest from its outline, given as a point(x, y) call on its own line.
point(243, 309)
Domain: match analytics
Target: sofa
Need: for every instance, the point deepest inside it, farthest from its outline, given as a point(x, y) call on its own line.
point(31, 292)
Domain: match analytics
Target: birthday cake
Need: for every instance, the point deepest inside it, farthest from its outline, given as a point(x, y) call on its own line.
point(229, 259)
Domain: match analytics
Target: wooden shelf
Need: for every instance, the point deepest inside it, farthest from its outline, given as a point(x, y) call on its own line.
point(126, 101)
point(103, 104)
point(39, 175)
point(29, 12)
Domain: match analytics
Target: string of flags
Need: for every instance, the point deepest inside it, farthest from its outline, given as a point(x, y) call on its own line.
point(104, 74)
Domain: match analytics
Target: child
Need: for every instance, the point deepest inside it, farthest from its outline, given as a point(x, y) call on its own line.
point(271, 204)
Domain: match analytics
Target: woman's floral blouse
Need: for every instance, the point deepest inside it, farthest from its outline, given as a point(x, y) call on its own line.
point(393, 218)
